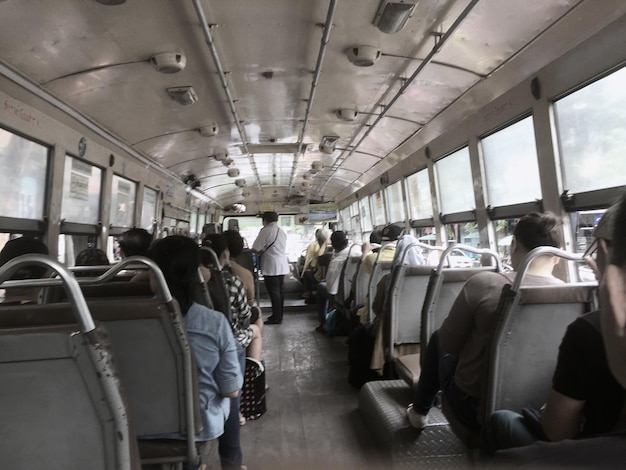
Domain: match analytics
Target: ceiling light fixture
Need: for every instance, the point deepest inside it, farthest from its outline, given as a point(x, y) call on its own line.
point(240, 182)
point(316, 166)
point(221, 156)
point(346, 114)
point(169, 62)
point(363, 56)
point(328, 143)
point(233, 172)
point(183, 94)
point(392, 15)
point(210, 130)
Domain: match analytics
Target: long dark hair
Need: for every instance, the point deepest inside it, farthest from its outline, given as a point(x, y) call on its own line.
point(538, 229)
point(179, 258)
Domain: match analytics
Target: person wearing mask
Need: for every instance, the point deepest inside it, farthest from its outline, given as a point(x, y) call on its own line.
point(455, 358)
point(271, 246)
point(585, 398)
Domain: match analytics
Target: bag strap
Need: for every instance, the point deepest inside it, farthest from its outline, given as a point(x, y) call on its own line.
point(270, 245)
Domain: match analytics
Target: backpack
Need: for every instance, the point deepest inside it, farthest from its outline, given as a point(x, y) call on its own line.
point(253, 394)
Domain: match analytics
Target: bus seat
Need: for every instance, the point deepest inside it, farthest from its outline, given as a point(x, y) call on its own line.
point(53, 294)
point(61, 399)
point(360, 284)
point(348, 270)
point(525, 346)
point(379, 270)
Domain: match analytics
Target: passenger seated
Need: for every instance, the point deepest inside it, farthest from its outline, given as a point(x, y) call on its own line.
point(247, 334)
point(91, 257)
point(210, 336)
point(235, 247)
point(135, 242)
point(312, 273)
point(607, 451)
point(455, 359)
point(13, 249)
point(585, 398)
point(327, 289)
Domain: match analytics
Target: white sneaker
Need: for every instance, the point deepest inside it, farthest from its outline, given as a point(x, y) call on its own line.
point(416, 420)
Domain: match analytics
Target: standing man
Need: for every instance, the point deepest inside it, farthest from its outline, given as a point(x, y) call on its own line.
point(271, 246)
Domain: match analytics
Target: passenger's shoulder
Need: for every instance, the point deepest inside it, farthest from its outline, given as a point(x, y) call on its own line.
point(488, 279)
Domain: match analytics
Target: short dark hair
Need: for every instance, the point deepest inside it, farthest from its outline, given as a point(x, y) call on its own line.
point(234, 240)
point(339, 240)
point(91, 257)
point(24, 246)
point(178, 258)
point(270, 216)
point(538, 229)
point(135, 242)
point(215, 241)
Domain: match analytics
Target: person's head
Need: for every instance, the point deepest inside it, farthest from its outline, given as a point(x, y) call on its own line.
point(321, 236)
point(234, 240)
point(392, 232)
point(178, 258)
point(135, 242)
point(91, 257)
point(534, 230)
point(609, 239)
point(269, 217)
point(338, 240)
point(377, 235)
point(217, 242)
point(24, 246)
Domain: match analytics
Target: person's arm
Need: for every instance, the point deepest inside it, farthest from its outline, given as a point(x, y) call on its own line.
point(613, 316)
point(562, 416)
point(227, 374)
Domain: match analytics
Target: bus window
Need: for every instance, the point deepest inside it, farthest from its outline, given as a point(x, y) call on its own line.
point(81, 192)
point(454, 182)
point(149, 208)
point(395, 202)
point(122, 202)
point(418, 196)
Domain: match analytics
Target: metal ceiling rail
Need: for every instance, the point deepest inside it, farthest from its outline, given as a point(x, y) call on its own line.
point(405, 84)
point(316, 75)
point(231, 102)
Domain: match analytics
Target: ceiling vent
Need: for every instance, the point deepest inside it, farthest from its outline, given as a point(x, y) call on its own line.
point(233, 172)
point(393, 15)
point(363, 56)
point(328, 143)
point(169, 62)
point(184, 95)
point(210, 130)
point(346, 114)
point(227, 162)
point(241, 183)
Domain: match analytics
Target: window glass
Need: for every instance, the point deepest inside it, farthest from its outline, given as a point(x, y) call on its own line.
point(347, 220)
point(454, 178)
point(378, 208)
point(201, 221)
point(148, 210)
point(81, 192)
point(193, 222)
point(122, 202)
point(356, 221)
point(395, 202)
point(366, 217)
point(590, 127)
point(507, 154)
point(23, 166)
point(504, 236)
point(418, 194)
point(583, 225)
point(70, 245)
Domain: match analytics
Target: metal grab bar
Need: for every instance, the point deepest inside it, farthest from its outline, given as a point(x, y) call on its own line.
point(542, 251)
point(73, 290)
point(216, 260)
point(471, 249)
point(412, 245)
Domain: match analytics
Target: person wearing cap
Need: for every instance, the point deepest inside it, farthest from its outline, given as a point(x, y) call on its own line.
point(13, 249)
point(585, 398)
point(271, 246)
point(327, 289)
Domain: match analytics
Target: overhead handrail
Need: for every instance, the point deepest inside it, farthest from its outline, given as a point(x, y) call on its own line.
point(471, 249)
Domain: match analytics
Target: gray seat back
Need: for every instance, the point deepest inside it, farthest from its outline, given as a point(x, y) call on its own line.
point(61, 400)
point(346, 279)
point(525, 346)
point(360, 284)
point(380, 269)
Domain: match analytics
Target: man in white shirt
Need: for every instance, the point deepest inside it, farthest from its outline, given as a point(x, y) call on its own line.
point(271, 246)
point(328, 289)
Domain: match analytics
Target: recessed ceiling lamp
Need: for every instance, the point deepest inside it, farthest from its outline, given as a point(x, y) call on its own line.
point(328, 143)
point(363, 56)
point(233, 172)
point(183, 94)
point(169, 62)
point(210, 130)
point(346, 114)
point(392, 15)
